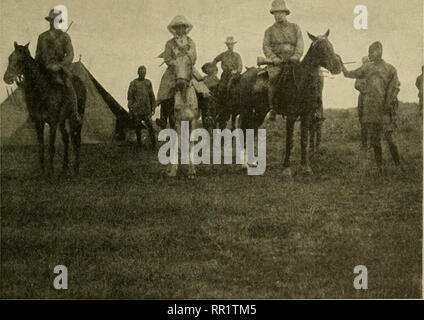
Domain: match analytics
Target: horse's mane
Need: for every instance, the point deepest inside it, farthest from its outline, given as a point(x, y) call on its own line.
point(39, 71)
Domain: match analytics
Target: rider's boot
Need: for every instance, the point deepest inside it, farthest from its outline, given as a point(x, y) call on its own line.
point(271, 94)
point(73, 101)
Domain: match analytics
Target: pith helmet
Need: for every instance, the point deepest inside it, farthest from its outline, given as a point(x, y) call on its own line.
point(53, 14)
point(230, 40)
point(279, 5)
point(179, 21)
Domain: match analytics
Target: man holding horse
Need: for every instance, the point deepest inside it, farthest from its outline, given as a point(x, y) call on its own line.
point(283, 43)
point(142, 104)
point(380, 102)
point(55, 53)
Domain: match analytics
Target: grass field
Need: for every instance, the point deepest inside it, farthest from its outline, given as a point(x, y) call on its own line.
point(125, 230)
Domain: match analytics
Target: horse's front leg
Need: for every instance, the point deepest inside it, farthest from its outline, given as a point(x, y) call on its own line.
point(304, 131)
point(65, 139)
point(76, 144)
point(191, 167)
point(312, 136)
point(289, 145)
point(318, 136)
point(39, 127)
point(52, 141)
point(173, 170)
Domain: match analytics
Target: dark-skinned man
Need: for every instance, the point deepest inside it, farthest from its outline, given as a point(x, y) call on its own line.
point(55, 53)
point(142, 104)
point(380, 101)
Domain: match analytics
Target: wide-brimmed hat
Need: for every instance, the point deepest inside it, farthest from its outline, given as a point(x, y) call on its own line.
point(279, 5)
point(179, 21)
point(53, 14)
point(230, 40)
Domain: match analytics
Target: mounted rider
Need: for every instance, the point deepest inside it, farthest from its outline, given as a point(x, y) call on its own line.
point(181, 44)
point(55, 53)
point(232, 66)
point(283, 43)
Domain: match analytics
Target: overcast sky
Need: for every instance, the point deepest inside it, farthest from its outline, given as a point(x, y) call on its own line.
point(115, 37)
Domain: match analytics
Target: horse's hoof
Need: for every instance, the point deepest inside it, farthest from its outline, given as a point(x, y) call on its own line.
point(191, 176)
point(307, 170)
point(172, 173)
point(271, 116)
point(253, 165)
point(287, 173)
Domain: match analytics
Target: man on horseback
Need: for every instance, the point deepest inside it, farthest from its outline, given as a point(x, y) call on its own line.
point(55, 53)
point(283, 43)
point(180, 45)
point(232, 66)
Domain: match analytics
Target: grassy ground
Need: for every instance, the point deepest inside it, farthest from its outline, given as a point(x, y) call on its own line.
point(125, 230)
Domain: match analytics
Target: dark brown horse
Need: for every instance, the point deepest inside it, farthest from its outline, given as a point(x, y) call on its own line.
point(296, 97)
point(46, 102)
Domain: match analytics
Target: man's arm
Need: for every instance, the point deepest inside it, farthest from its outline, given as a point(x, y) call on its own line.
point(300, 45)
point(218, 58)
point(152, 97)
point(192, 53)
point(393, 89)
point(359, 73)
point(168, 55)
point(130, 96)
point(239, 64)
point(39, 49)
point(69, 50)
point(267, 46)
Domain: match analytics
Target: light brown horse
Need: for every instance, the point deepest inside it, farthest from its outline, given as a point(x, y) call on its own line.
point(46, 102)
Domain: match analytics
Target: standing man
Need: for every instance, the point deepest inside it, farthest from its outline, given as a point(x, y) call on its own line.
point(142, 103)
point(55, 53)
point(419, 84)
point(231, 65)
point(361, 86)
point(380, 101)
point(283, 42)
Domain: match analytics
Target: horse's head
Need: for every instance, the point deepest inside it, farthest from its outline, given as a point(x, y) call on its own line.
point(322, 52)
point(183, 68)
point(17, 60)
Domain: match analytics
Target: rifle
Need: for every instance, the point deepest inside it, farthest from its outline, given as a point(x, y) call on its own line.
point(264, 61)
